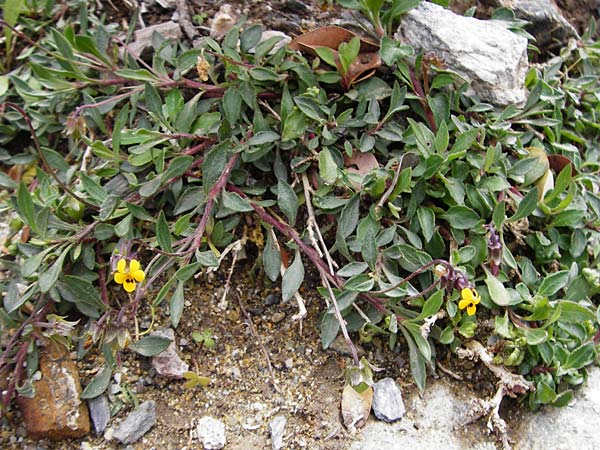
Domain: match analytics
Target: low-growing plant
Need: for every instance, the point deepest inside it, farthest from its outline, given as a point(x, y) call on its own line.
point(432, 219)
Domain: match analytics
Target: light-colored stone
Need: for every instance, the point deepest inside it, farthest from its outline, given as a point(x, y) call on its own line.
point(211, 432)
point(434, 421)
point(485, 53)
point(143, 37)
point(136, 424)
point(572, 427)
point(55, 412)
point(387, 401)
point(168, 363)
point(276, 428)
point(546, 23)
point(224, 20)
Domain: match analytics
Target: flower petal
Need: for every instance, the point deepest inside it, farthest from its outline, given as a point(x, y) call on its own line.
point(134, 265)
point(477, 297)
point(471, 309)
point(464, 303)
point(138, 275)
point(122, 265)
point(129, 285)
point(119, 277)
point(467, 294)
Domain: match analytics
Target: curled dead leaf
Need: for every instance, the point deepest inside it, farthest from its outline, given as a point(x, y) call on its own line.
point(361, 164)
point(559, 162)
point(356, 407)
point(331, 37)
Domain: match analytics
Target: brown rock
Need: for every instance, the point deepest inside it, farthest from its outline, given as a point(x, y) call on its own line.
point(55, 412)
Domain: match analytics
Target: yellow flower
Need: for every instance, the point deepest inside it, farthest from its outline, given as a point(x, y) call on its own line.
point(469, 298)
point(127, 275)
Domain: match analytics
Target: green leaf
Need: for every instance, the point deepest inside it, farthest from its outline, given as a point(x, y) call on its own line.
point(176, 305)
point(461, 217)
point(329, 329)
point(526, 205)
point(327, 55)
point(287, 200)
point(177, 167)
point(49, 277)
point(233, 201)
point(553, 283)
point(93, 188)
point(417, 361)
point(98, 385)
point(153, 100)
point(356, 267)
point(292, 278)
point(232, 105)
point(163, 235)
point(580, 357)
point(108, 207)
point(263, 137)
point(348, 53)
point(349, 217)
point(188, 271)
point(250, 37)
point(441, 138)
point(464, 141)
point(82, 293)
point(498, 293)
point(432, 305)
point(328, 169)
point(150, 345)
point(535, 336)
point(422, 343)
point(139, 212)
point(294, 125)
point(360, 283)
point(426, 218)
point(271, 258)
point(213, 166)
point(25, 206)
point(408, 257)
point(571, 312)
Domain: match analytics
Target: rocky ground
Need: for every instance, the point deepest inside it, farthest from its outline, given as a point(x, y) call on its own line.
point(269, 383)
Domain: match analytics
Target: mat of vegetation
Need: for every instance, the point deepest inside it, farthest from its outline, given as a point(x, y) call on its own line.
point(431, 218)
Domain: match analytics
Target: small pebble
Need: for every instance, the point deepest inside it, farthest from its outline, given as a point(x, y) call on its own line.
point(387, 400)
point(271, 299)
point(276, 428)
point(277, 317)
point(211, 432)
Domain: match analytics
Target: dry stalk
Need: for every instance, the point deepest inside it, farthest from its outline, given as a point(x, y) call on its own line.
point(258, 340)
point(508, 384)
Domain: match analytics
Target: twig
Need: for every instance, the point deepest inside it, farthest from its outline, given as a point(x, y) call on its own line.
point(312, 222)
point(185, 20)
point(448, 371)
point(235, 250)
point(258, 340)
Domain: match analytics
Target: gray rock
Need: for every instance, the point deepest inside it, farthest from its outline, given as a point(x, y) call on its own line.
point(276, 428)
point(168, 363)
point(136, 424)
point(387, 401)
point(546, 23)
point(211, 432)
point(484, 52)
point(99, 413)
point(572, 427)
